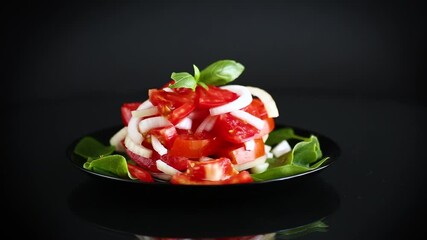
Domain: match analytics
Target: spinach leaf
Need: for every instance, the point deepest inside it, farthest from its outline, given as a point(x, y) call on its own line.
point(89, 147)
point(305, 156)
point(112, 165)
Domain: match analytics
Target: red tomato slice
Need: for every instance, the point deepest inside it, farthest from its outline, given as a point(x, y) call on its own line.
point(214, 170)
point(140, 173)
point(146, 163)
point(194, 146)
point(233, 129)
point(213, 96)
point(170, 100)
point(238, 154)
point(126, 110)
point(166, 135)
point(221, 169)
point(256, 108)
point(180, 113)
point(268, 127)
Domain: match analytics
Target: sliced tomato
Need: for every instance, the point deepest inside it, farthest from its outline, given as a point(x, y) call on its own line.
point(268, 127)
point(213, 170)
point(180, 113)
point(256, 108)
point(238, 154)
point(166, 135)
point(233, 129)
point(146, 163)
point(174, 105)
point(178, 162)
point(213, 96)
point(239, 178)
point(171, 100)
point(126, 110)
point(140, 173)
point(194, 145)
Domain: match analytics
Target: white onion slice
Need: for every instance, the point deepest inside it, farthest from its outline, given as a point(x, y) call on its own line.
point(185, 124)
point(260, 168)
point(281, 148)
point(251, 164)
point(158, 146)
point(164, 167)
point(153, 122)
point(133, 131)
point(250, 145)
point(145, 112)
point(137, 149)
point(116, 139)
point(244, 99)
point(161, 175)
point(167, 89)
point(249, 118)
point(145, 104)
point(207, 124)
point(265, 137)
point(266, 99)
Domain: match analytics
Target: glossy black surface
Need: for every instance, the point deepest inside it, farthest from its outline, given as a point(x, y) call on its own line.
point(329, 149)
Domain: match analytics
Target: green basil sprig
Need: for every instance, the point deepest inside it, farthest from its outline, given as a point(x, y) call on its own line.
point(218, 73)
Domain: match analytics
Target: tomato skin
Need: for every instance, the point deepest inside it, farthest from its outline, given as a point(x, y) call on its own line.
point(268, 127)
point(234, 130)
point(256, 108)
point(194, 146)
point(238, 154)
point(213, 170)
point(201, 173)
point(213, 96)
point(140, 173)
point(180, 113)
point(146, 163)
point(166, 135)
point(126, 111)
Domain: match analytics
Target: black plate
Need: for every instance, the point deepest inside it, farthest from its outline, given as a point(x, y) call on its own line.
point(329, 148)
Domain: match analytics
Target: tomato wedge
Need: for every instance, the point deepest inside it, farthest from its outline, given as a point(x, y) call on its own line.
point(238, 154)
point(140, 173)
point(213, 96)
point(126, 111)
point(212, 170)
point(194, 146)
point(233, 129)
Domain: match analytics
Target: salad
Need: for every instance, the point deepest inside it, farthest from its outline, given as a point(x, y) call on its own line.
point(201, 129)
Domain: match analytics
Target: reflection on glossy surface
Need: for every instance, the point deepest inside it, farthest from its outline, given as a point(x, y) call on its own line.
point(281, 211)
point(293, 233)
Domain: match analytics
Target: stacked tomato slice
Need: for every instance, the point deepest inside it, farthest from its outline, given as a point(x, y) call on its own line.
point(176, 126)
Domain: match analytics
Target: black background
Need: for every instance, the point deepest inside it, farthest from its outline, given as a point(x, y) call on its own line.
point(352, 70)
point(64, 49)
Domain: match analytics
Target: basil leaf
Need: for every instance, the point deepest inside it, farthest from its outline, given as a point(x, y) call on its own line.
point(183, 80)
point(90, 148)
point(113, 165)
point(196, 73)
point(221, 72)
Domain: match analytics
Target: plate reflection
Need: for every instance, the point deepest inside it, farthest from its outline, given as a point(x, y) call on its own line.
point(274, 211)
